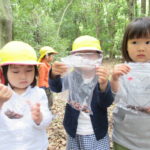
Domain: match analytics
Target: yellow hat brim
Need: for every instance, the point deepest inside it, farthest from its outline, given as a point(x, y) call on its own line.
point(86, 49)
point(52, 52)
point(21, 63)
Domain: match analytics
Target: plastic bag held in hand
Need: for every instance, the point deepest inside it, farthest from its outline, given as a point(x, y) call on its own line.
point(81, 79)
point(135, 88)
point(15, 108)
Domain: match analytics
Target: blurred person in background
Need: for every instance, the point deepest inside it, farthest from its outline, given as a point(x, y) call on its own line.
point(46, 57)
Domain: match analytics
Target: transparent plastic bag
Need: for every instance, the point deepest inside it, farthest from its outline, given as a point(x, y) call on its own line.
point(83, 60)
point(15, 108)
point(81, 79)
point(136, 87)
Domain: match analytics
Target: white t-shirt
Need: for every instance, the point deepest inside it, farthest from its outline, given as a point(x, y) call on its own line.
point(23, 133)
point(84, 121)
point(84, 124)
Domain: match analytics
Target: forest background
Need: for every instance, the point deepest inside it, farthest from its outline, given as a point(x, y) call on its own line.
point(57, 23)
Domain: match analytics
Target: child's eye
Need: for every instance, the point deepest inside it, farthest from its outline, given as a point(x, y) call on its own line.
point(147, 42)
point(134, 42)
point(15, 71)
point(29, 71)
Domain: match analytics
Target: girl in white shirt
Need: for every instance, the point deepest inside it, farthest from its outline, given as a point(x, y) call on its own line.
point(25, 115)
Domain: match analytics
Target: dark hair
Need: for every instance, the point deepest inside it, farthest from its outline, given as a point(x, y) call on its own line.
point(49, 54)
point(5, 70)
point(138, 28)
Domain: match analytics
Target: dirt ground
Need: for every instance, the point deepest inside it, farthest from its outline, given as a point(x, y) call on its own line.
point(56, 132)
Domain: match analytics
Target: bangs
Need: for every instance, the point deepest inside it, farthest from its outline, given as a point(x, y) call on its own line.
point(139, 29)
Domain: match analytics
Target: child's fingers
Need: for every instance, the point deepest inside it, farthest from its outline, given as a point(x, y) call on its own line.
point(5, 92)
point(123, 68)
point(101, 69)
point(103, 76)
point(102, 72)
point(36, 107)
point(120, 70)
point(102, 79)
point(4, 89)
point(36, 113)
point(59, 68)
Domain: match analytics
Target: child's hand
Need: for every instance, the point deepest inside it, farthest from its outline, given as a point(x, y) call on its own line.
point(58, 68)
point(119, 70)
point(147, 110)
point(103, 76)
point(36, 113)
point(5, 94)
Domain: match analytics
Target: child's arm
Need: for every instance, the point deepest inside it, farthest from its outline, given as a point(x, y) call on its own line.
point(118, 71)
point(5, 94)
point(103, 76)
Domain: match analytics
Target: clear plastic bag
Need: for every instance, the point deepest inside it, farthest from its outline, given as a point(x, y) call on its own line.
point(81, 79)
point(83, 60)
point(15, 108)
point(135, 88)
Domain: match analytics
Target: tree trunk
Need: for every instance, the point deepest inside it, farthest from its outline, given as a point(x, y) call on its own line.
point(135, 8)
point(143, 6)
point(62, 17)
point(5, 22)
point(130, 4)
point(98, 18)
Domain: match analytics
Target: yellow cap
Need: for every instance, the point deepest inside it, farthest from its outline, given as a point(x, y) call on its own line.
point(17, 52)
point(86, 42)
point(45, 50)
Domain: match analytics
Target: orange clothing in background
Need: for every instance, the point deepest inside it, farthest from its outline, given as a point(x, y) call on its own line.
point(43, 74)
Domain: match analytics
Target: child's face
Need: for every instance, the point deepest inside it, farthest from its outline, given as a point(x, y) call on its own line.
point(20, 76)
point(49, 57)
point(139, 49)
point(88, 71)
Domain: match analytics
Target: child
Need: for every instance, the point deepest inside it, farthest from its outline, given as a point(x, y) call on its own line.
point(86, 131)
point(46, 57)
point(23, 129)
point(131, 131)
